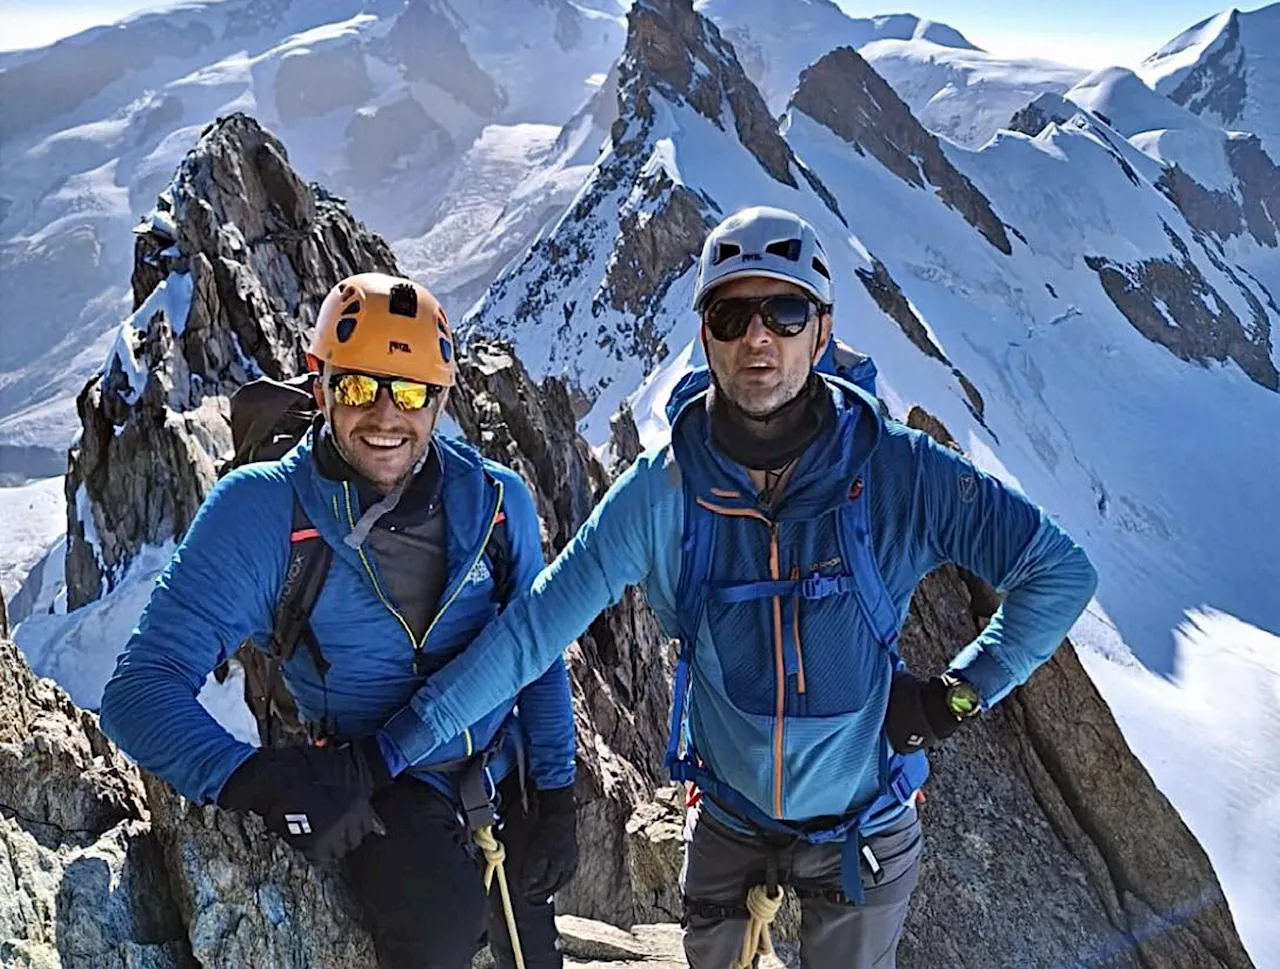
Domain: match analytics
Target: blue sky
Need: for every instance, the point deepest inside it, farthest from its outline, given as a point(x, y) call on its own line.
point(1089, 33)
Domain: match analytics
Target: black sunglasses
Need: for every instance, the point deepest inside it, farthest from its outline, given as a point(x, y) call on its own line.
point(788, 315)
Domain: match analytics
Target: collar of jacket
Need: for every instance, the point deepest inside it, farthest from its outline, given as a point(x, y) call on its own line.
point(467, 493)
point(824, 475)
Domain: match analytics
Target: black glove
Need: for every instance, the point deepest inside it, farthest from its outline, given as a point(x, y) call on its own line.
point(316, 798)
point(918, 716)
point(551, 857)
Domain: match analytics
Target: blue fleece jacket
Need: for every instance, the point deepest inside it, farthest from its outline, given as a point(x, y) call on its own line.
point(222, 585)
point(928, 506)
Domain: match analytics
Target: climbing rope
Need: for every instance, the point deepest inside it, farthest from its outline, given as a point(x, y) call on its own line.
point(494, 856)
point(763, 909)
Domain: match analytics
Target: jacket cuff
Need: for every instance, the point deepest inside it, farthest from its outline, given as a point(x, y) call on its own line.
point(408, 739)
point(991, 678)
point(386, 758)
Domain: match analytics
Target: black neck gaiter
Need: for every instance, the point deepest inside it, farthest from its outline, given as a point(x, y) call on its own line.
point(773, 442)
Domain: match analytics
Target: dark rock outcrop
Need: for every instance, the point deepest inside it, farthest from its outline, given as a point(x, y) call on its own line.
point(1218, 84)
point(328, 78)
point(1250, 207)
point(256, 249)
point(844, 93)
point(1039, 114)
point(1171, 303)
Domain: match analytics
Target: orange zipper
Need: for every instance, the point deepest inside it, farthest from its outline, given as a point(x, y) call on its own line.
point(780, 689)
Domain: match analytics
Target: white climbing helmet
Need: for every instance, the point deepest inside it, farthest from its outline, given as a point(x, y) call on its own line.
point(764, 241)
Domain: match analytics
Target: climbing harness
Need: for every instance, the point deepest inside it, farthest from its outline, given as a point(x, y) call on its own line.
point(475, 789)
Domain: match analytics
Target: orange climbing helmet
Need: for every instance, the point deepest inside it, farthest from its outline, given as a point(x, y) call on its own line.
point(386, 325)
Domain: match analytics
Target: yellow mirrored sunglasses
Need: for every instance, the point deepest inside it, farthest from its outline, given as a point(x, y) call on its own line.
point(361, 390)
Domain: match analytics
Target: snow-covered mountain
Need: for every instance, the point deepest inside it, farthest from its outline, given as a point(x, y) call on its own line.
point(430, 113)
point(1225, 69)
point(952, 87)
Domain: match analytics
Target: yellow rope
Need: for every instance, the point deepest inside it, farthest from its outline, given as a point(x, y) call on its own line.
point(763, 909)
point(494, 856)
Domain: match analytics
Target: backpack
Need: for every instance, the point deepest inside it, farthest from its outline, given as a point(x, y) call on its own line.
point(900, 776)
point(268, 417)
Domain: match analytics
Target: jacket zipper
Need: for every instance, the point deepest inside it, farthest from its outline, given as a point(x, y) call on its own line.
point(418, 645)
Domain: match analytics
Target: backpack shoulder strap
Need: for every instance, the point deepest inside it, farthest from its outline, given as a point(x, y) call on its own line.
point(309, 560)
point(871, 591)
point(697, 543)
point(498, 550)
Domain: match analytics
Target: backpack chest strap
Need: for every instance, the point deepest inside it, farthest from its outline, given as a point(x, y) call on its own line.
point(812, 588)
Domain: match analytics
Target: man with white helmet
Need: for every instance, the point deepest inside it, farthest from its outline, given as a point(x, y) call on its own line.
point(780, 536)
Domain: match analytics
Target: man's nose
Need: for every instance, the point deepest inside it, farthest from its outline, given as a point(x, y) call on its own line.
point(383, 405)
point(757, 333)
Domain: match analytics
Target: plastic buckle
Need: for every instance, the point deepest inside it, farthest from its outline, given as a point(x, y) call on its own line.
point(819, 586)
point(474, 796)
point(903, 790)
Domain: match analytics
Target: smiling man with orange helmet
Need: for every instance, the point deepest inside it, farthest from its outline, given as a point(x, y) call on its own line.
point(425, 542)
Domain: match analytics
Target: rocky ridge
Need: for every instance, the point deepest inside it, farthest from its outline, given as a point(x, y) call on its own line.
point(844, 93)
point(256, 250)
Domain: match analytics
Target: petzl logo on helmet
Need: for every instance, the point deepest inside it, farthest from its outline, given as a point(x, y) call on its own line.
point(395, 345)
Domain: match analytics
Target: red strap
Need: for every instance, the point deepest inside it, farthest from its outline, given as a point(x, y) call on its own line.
point(302, 534)
point(500, 517)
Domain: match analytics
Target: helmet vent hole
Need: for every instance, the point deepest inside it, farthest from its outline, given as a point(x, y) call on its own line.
point(787, 249)
point(404, 300)
point(346, 327)
point(820, 267)
point(446, 349)
point(726, 250)
point(351, 310)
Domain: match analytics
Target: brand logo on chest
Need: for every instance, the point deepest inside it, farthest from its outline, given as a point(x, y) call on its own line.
point(479, 573)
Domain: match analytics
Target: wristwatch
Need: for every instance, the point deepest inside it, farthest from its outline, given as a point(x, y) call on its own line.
point(963, 701)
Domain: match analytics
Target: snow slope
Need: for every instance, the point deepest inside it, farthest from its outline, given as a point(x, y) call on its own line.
point(32, 517)
point(964, 95)
point(776, 41)
point(953, 88)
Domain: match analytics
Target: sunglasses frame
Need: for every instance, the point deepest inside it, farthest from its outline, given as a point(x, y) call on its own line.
point(387, 383)
point(762, 306)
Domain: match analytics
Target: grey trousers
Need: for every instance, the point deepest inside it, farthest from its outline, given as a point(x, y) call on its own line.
point(720, 865)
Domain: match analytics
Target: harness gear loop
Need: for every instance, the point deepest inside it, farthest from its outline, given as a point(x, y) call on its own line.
point(762, 908)
point(494, 857)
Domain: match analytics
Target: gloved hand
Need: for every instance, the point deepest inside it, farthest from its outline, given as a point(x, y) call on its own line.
point(552, 854)
point(918, 716)
point(316, 798)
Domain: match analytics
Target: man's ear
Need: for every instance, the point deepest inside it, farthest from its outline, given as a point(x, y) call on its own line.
point(317, 390)
point(825, 326)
